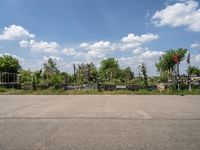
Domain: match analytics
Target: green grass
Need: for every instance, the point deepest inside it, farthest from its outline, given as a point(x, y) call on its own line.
point(12, 91)
point(2, 90)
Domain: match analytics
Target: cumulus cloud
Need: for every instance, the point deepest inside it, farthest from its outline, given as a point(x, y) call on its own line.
point(142, 55)
point(69, 51)
point(131, 38)
point(14, 56)
point(139, 50)
point(55, 58)
point(150, 54)
point(186, 13)
point(42, 46)
point(98, 49)
point(84, 45)
point(95, 52)
point(100, 45)
point(195, 45)
point(197, 58)
point(101, 48)
point(14, 32)
point(90, 51)
point(134, 41)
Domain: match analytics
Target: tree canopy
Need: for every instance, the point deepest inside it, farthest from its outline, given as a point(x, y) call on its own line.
point(143, 71)
point(109, 69)
point(126, 74)
point(9, 64)
point(192, 70)
point(50, 67)
point(167, 63)
point(86, 73)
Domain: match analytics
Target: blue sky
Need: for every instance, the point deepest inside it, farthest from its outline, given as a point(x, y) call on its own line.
point(79, 31)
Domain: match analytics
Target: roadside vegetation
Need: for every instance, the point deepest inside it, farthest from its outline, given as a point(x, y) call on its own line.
point(109, 78)
point(14, 91)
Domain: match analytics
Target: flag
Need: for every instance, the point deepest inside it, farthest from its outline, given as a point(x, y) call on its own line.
point(175, 58)
point(188, 59)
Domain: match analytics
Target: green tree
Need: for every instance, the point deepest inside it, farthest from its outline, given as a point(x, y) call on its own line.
point(80, 73)
point(86, 73)
point(163, 77)
point(192, 70)
point(26, 76)
point(9, 64)
point(50, 72)
point(37, 79)
point(50, 67)
point(166, 62)
point(109, 69)
point(126, 74)
point(143, 71)
point(66, 77)
point(57, 80)
point(92, 72)
point(74, 76)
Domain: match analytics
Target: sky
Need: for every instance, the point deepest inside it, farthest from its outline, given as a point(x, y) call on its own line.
point(83, 31)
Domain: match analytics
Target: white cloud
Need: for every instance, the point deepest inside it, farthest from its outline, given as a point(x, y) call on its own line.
point(197, 58)
point(195, 45)
point(131, 38)
point(24, 43)
point(184, 13)
point(150, 54)
point(84, 45)
point(69, 51)
point(100, 49)
point(135, 41)
point(61, 64)
point(14, 56)
point(95, 52)
point(127, 61)
point(102, 45)
point(142, 55)
point(98, 46)
point(87, 55)
point(139, 50)
point(55, 58)
point(14, 32)
point(42, 46)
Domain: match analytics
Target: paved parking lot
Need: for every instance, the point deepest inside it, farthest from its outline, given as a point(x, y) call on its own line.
point(99, 122)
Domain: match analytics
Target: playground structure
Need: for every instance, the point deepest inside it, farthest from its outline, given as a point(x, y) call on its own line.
point(9, 79)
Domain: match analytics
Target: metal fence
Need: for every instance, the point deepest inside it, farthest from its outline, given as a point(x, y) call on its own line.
point(9, 78)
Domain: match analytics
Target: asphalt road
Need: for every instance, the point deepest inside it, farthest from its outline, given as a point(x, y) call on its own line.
point(99, 122)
